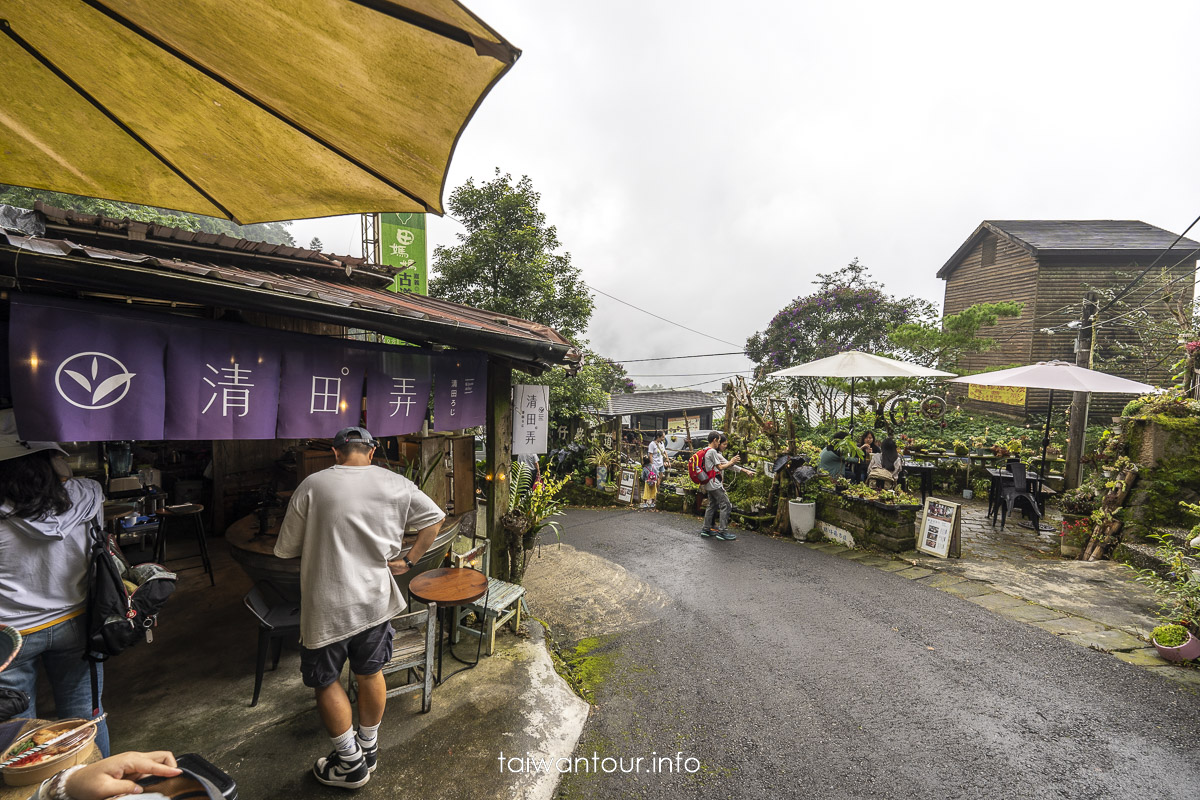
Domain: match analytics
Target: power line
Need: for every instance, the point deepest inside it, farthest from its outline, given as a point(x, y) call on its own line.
point(671, 358)
point(656, 316)
point(726, 373)
point(694, 385)
point(1138, 278)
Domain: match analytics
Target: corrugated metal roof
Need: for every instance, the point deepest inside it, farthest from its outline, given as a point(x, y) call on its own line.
point(653, 402)
point(417, 318)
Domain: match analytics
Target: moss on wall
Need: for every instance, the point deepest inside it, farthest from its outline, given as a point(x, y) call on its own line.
point(1168, 448)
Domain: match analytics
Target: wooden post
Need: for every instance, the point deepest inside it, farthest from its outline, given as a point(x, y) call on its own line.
point(1077, 426)
point(498, 451)
point(729, 407)
point(687, 427)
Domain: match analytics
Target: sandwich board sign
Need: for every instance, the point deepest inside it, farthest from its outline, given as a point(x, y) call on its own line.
point(628, 482)
point(940, 533)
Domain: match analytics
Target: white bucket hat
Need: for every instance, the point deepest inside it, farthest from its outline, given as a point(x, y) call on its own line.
point(12, 446)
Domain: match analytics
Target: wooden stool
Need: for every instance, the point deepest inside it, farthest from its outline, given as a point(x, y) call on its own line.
point(191, 511)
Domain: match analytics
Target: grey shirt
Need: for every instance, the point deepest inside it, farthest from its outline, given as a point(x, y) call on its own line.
point(345, 523)
point(712, 460)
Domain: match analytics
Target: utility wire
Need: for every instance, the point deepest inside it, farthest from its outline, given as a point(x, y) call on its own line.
point(688, 374)
point(1138, 278)
point(671, 358)
point(656, 316)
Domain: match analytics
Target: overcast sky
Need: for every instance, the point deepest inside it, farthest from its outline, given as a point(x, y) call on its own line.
point(701, 155)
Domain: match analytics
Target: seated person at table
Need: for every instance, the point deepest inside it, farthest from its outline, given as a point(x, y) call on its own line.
point(867, 444)
point(347, 523)
point(886, 465)
point(830, 460)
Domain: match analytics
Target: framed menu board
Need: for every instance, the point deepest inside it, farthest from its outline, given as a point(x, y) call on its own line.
point(940, 533)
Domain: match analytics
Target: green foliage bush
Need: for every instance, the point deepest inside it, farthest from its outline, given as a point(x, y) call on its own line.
point(1169, 635)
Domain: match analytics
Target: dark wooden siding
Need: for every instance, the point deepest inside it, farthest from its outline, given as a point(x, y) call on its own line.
point(1064, 279)
point(1012, 276)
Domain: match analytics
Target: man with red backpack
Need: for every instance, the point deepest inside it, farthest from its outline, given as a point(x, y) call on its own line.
point(705, 469)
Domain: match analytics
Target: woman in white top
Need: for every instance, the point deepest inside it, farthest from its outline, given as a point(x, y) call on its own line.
point(657, 452)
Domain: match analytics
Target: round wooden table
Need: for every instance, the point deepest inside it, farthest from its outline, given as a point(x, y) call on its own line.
point(449, 587)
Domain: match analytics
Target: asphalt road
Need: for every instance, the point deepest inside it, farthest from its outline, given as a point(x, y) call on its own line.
point(785, 672)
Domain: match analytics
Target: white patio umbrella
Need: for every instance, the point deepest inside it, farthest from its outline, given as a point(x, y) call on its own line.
point(1061, 375)
point(855, 364)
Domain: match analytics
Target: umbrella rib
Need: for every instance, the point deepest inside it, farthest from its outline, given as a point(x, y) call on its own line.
point(502, 51)
point(62, 76)
point(225, 82)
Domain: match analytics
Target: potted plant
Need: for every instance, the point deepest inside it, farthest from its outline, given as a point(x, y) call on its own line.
point(1078, 503)
point(1074, 536)
point(1175, 642)
point(979, 445)
point(530, 507)
point(960, 448)
point(1177, 585)
point(802, 510)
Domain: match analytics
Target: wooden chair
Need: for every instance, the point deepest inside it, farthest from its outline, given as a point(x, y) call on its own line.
point(413, 646)
point(504, 601)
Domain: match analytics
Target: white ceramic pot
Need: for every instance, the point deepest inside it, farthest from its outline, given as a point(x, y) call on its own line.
point(803, 517)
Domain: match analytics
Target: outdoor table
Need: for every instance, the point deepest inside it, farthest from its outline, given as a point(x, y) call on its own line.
point(449, 587)
point(925, 469)
point(22, 792)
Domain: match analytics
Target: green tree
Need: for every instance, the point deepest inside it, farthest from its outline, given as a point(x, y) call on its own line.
point(315, 244)
point(848, 311)
point(24, 197)
point(943, 344)
point(508, 258)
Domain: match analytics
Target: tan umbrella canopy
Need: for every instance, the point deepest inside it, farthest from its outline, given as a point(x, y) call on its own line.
point(254, 110)
point(855, 364)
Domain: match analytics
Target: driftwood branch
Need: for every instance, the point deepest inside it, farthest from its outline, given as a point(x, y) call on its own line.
point(1107, 534)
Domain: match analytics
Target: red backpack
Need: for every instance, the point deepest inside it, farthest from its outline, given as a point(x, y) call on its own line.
point(696, 469)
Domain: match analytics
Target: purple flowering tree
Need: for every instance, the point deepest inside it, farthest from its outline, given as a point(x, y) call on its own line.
point(848, 311)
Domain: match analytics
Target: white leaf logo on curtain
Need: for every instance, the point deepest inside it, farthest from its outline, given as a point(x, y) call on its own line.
point(97, 391)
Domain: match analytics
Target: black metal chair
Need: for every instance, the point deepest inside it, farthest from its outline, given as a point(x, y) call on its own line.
point(277, 620)
point(1018, 490)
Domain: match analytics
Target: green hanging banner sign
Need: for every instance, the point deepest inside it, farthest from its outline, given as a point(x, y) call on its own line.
point(402, 244)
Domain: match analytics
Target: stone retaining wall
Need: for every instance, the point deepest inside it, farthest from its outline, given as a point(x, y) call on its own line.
point(889, 529)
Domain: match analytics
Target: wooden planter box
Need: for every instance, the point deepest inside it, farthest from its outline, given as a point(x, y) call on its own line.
point(892, 528)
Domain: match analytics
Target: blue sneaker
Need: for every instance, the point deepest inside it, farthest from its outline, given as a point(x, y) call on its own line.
point(726, 536)
point(707, 532)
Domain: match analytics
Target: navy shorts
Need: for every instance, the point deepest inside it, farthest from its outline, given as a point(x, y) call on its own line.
point(368, 651)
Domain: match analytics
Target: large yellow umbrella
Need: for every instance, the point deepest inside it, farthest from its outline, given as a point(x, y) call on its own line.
point(255, 110)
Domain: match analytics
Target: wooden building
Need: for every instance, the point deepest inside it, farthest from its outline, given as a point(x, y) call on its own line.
point(664, 411)
point(1049, 265)
point(182, 275)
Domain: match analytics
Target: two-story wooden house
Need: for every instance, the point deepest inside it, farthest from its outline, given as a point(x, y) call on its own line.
point(1049, 265)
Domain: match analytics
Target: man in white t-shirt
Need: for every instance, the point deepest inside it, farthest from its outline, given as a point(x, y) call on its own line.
point(718, 501)
point(347, 524)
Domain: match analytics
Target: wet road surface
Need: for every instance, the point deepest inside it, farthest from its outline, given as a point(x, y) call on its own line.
point(787, 672)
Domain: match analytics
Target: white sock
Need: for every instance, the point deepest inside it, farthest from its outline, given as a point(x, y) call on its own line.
point(367, 734)
point(347, 748)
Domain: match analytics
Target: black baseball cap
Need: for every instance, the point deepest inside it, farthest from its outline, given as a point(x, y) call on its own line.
point(354, 435)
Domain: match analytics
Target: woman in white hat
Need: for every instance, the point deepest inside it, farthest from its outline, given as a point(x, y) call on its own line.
point(45, 544)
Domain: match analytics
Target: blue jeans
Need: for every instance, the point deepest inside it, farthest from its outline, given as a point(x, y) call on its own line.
point(60, 649)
